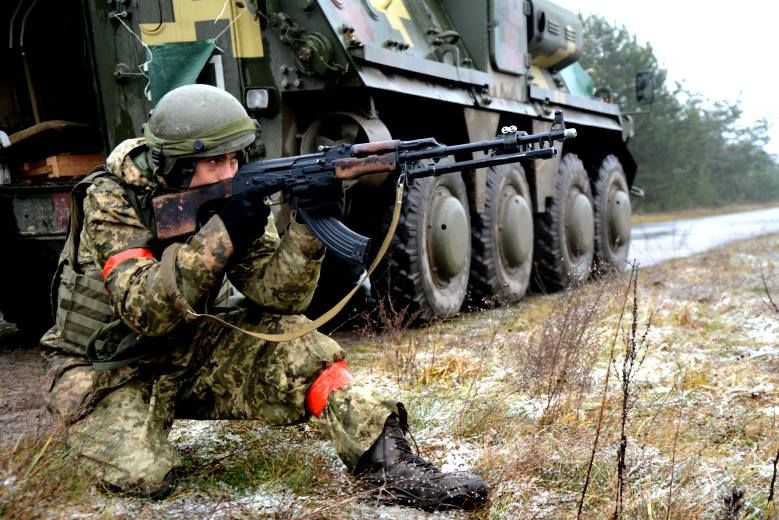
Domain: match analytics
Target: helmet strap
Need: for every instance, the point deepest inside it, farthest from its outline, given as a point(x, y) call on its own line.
point(180, 176)
point(156, 159)
point(186, 171)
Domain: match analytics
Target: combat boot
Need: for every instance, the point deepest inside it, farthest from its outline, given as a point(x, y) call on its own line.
point(402, 477)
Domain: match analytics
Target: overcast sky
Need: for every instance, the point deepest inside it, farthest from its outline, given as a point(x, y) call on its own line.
point(721, 49)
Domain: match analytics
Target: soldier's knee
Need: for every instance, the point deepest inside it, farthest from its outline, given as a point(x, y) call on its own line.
point(68, 392)
point(320, 350)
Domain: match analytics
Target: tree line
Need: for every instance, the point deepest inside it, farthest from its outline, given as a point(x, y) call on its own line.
point(691, 152)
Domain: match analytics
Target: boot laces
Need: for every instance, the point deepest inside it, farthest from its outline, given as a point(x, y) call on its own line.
point(407, 455)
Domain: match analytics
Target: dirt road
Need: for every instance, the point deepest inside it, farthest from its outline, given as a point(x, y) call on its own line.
point(658, 242)
point(22, 410)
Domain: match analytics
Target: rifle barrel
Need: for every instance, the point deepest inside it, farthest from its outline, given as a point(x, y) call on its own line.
point(508, 142)
point(484, 162)
point(442, 150)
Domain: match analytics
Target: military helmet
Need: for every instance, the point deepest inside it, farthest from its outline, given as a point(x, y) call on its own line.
point(196, 121)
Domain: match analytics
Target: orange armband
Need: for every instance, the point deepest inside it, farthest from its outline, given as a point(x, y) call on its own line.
point(127, 254)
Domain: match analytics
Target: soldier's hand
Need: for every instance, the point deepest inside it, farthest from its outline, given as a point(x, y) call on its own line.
point(322, 197)
point(245, 216)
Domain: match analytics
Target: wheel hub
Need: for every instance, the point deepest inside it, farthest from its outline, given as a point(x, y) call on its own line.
point(619, 218)
point(580, 225)
point(515, 230)
point(448, 236)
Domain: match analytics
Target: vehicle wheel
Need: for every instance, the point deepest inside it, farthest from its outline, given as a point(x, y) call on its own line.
point(612, 216)
point(431, 252)
point(565, 232)
point(502, 239)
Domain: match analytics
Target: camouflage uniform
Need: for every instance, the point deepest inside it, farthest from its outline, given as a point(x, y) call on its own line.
point(120, 419)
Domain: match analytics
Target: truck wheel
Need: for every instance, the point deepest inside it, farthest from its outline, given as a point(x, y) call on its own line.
point(431, 253)
point(565, 232)
point(502, 239)
point(612, 216)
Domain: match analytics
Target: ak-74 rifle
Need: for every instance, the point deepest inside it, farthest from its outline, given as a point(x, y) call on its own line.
point(176, 214)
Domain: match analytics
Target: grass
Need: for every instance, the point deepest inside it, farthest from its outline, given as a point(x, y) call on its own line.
point(268, 460)
point(37, 475)
point(523, 392)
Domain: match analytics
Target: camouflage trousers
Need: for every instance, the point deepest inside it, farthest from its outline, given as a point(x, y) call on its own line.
point(227, 375)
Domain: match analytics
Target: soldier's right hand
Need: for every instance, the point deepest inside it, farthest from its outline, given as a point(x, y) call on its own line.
point(245, 216)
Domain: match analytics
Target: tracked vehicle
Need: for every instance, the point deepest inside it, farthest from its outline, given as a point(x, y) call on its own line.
point(79, 76)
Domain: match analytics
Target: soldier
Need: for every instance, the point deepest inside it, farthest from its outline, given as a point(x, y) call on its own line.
point(124, 361)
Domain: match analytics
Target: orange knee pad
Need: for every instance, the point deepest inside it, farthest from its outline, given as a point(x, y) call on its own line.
point(334, 377)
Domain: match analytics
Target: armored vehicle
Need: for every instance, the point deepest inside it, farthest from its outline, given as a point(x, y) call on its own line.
point(79, 76)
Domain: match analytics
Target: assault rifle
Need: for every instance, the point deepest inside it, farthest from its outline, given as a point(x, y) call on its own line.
point(176, 214)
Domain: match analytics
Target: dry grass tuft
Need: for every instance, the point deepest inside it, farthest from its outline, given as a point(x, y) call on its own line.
point(38, 476)
point(557, 365)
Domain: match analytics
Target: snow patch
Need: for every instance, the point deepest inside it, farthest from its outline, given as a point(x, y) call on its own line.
point(761, 329)
point(459, 457)
point(532, 408)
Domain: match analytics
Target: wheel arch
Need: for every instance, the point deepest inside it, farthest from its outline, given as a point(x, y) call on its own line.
point(593, 145)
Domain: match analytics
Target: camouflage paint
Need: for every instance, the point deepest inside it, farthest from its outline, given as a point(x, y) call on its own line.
point(397, 15)
point(245, 29)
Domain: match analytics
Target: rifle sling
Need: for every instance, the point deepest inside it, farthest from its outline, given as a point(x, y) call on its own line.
point(168, 272)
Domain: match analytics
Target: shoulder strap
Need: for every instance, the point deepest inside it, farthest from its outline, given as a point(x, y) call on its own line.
point(141, 206)
point(77, 196)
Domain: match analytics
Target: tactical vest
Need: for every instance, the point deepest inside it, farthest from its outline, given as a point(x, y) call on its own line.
point(84, 314)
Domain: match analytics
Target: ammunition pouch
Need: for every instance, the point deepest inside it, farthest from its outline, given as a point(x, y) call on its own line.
point(86, 321)
point(83, 307)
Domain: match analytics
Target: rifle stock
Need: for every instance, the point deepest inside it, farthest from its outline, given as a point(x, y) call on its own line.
point(175, 214)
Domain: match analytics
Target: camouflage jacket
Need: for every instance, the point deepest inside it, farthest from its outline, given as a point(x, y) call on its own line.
point(278, 274)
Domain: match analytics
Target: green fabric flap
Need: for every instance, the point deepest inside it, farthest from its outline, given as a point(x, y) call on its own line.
point(177, 64)
point(133, 347)
point(577, 80)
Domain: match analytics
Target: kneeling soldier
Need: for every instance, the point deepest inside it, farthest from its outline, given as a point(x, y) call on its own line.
point(123, 361)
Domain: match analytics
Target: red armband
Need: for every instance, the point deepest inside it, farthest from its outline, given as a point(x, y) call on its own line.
point(127, 254)
point(334, 377)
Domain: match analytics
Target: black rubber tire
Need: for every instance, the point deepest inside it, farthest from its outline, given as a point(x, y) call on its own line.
point(557, 265)
point(498, 276)
point(414, 284)
point(611, 197)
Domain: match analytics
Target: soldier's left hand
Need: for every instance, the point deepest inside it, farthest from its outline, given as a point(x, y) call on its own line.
point(244, 216)
point(321, 197)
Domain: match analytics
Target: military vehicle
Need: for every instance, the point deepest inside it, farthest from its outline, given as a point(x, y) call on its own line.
point(79, 76)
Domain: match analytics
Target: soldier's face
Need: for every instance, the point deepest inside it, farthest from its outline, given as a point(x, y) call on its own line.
point(209, 170)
